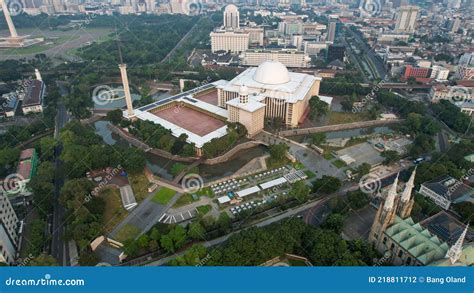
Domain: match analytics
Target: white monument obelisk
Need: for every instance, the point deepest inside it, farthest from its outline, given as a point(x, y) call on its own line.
point(126, 90)
point(8, 18)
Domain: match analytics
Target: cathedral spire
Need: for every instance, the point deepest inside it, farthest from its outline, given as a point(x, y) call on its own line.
point(389, 201)
point(454, 253)
point(406, 195)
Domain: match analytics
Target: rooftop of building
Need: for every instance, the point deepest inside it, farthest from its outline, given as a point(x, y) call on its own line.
point(273, 80)
point(418, 241)
point(449, 187)
point(446, 227)
point(34, 95)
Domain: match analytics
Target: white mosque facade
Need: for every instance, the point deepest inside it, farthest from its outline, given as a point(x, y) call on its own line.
point(266, 91)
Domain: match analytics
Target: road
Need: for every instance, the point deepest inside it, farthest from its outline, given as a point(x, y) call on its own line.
point(370, 54)
point(59, 248)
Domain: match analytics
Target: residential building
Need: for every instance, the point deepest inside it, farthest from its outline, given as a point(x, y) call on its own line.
point(8, 230)
point(439, 72)
point(33, 100)
point(288, 57)
point(416, 72)
point(446, 190)
point(233, 41)
point(9, 104)
point(256, 35)
point(406, 18)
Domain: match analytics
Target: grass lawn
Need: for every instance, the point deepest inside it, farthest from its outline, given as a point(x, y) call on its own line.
point(164, 195)
point(204, 209)
point(114, 213)
point(38, 48)
point(310, 174)
point(343, 117)
point(183, 200)
point(272, 164)
point(206, 191)
point(298, 165)
point(139, 184)
point(339, 164)
point(327, 155)
point(127, 232)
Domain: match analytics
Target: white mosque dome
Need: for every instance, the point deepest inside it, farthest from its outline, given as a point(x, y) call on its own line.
point(271, 72)
point(243, 90)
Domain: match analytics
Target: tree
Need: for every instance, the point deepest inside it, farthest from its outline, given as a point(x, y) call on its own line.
point(363, 169)
point(114, 116)
point(422, 144)
point(167, 243)
point(334, 222)
point(88, 258)
point(326, 185)
point(47, 146)
point(318, 138)
point(191, 257)
point(299, 191)
point(466, 210)
point(196, 231)
point(390, 157)
point(43, 260)
point(278, 151)
point(224, 222)
point(317, 107)
point(357, 199)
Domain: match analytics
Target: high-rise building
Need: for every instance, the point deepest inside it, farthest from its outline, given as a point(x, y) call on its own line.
point(231, 17)
point(331, 31)
point(233, 41)
point(455, 24)
point(288, 57)
point(8, 230)
point(406, 18)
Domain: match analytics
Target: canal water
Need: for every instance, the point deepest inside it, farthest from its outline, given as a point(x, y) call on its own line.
point(357, 132)
point(161, 166)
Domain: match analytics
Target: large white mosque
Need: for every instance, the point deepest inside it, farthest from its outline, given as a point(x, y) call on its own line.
point(266, 91)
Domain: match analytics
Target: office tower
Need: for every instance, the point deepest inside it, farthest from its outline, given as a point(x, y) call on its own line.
point(8, 230)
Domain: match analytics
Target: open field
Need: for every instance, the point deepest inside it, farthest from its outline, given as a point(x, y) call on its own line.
point(61, 44)
point(114, 212)
point(163, 196)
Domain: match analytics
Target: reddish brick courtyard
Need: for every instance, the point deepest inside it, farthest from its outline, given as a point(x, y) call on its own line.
point(191, 120)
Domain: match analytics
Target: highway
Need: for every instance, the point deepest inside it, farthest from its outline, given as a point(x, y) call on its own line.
point(370, 55)
point(59, 248)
